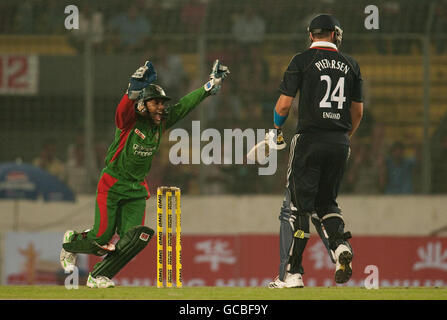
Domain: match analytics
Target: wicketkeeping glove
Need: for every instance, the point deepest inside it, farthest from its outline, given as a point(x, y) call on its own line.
point(141, 78)
point(218, 74)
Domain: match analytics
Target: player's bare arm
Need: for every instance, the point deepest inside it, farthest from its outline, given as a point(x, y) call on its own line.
point(282, 107)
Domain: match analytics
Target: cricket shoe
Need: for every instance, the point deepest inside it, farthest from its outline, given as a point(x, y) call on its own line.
point(291, 281)
point(67, 259)
point(99, 282)
point(294, 280)
point(343, 265)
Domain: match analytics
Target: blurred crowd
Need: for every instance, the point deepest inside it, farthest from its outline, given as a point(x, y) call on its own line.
point(131, 26)
point(377, 167)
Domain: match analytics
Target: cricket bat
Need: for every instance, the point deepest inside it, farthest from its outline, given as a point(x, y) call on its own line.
point(259, 152)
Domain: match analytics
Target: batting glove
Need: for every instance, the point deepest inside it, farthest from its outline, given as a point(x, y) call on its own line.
point(217, 76)
point(275, 139)
point(141, 78)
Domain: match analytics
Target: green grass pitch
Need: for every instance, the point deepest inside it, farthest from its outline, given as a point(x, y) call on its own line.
point(222, 293)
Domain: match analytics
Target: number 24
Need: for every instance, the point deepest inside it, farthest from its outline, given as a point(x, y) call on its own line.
point(338, 95)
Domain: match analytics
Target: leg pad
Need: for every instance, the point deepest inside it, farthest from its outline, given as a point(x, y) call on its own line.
point(80, 243)
point(135, 240)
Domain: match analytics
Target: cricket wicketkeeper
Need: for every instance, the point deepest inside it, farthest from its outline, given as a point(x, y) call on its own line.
point(141, 118)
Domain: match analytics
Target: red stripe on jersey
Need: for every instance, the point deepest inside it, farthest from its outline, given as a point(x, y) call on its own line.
point(324, 48)
point(104, 185)
point(125, 113)
point(125, 120)
point(144, 183)
point(123, 138)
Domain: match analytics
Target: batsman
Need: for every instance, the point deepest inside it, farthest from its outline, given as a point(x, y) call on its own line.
point(329, 112)
point(141, 118)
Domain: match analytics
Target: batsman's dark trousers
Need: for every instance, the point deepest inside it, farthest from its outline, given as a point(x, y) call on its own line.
point(317, 163)
point(315, 170)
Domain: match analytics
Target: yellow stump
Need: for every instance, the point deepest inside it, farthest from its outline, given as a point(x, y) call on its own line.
point(178, 245)
point(169, 239)
point(159, 238)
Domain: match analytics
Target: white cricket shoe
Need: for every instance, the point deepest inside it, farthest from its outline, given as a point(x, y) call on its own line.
point(291, 281)
point(99, 282)
point(67, 259)
point(277, 284)
point(294, 280)
point(343, 265)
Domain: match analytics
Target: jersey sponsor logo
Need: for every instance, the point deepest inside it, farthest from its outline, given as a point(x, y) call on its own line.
point(332, 64)
point(140, 134)
point(142, 151)
point(331, 115)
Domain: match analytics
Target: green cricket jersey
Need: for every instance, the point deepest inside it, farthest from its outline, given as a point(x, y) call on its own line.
point(137, 140)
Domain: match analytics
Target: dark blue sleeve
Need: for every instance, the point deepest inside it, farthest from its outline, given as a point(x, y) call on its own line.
point(357, 89)
point(292, 79)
